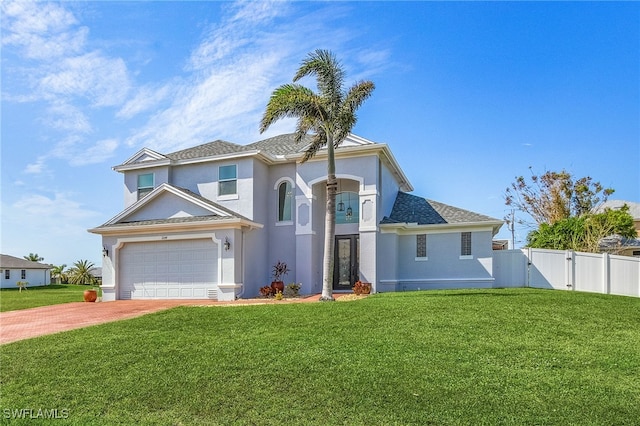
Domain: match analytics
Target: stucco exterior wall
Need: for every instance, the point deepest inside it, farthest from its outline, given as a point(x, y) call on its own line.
point(168, 206)
point(444, 267)
point(387, 191)
point(203, 180)
point(160, 176)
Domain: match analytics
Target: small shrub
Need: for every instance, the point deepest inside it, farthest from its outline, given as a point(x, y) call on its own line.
point(266, 291)
point(361, 288)
point(279, 295)
point(292, 290)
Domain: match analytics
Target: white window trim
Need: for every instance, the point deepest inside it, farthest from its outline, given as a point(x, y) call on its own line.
point(276, 188)
point(226, 197)
point(422, 258)
point(284, 223)
point(138, 187)
point(467, 256)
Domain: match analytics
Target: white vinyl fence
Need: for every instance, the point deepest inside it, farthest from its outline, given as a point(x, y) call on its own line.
point(567, 270)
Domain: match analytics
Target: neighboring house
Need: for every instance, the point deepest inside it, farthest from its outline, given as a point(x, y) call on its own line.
point(616, 243)
point(16, 269)
point(211, 221)
point(97, 274)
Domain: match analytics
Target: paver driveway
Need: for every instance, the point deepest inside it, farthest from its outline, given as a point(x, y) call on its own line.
point(34, 322)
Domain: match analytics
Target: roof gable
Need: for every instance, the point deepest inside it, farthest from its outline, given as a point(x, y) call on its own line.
point(168, 202)
point(144, 155)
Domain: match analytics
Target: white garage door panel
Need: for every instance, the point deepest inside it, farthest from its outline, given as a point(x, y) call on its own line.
point(184, 269)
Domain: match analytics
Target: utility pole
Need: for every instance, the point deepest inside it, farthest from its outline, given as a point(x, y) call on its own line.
point(513, 229)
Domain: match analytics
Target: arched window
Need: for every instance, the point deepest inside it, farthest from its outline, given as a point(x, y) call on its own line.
point(284, 202)
point(347, 207)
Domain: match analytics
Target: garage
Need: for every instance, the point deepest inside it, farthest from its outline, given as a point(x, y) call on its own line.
point(169, 269)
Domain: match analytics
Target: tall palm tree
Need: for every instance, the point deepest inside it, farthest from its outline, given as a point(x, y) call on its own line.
point(81, 273)
point(34, 257)
point(58, 273)
point(329, 115)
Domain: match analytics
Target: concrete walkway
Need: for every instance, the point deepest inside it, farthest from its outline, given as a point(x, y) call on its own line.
point(34, 322)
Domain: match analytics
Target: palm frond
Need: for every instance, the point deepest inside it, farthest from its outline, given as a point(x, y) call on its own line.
point(289, 100)
point(328, 70)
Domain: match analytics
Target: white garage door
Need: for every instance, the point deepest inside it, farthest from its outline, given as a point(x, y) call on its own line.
point(184, 269)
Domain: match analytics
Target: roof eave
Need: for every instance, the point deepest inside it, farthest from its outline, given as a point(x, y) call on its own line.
point(230, 223)
point(142, 165)
point(412, 228)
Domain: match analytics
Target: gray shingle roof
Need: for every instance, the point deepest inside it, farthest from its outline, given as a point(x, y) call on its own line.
point(277, 145)
point(413, 209)
point(212, 217)
point(10, 262)
point(281, 144)
point(210, 149)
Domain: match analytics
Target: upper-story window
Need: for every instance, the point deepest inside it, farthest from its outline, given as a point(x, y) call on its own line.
point(347, 207)
point(227, 180)
point(465, 244)
point(284, 201)
point(145, 184)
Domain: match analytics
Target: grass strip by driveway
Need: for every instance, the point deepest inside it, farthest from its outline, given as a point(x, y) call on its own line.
point(474, 357)
point(12, 299)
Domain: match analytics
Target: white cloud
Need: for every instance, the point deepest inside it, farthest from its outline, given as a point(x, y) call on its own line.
point(41, 29)
point(60, 208)
point(36, 168)
point(255, 48)
point(104, 81)
point(146, 98)
point(101, 151)
point(68, 118)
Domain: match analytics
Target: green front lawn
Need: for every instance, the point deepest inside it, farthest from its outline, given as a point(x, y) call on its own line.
point(12, 299)
point(473, 357)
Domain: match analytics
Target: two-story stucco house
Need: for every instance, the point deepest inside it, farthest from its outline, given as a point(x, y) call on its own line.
point(211, 221)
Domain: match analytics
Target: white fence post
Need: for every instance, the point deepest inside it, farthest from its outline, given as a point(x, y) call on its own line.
point(606, 277)
point(569, 270)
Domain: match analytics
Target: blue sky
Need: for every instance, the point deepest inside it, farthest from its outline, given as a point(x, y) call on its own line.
point(468, 96)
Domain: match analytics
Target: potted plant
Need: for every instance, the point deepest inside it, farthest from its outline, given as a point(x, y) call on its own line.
point(280, 269)
point(90, 295)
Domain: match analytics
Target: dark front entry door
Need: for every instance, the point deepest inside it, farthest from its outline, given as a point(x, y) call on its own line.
point(345, 265)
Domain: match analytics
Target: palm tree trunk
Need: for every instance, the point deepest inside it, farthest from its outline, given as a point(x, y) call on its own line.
point(330, 224)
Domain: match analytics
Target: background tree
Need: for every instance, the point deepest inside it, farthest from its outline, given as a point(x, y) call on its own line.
point(34, 257)
point(80, 273)
point(58, 274)
point(554, 196)
point(330, 116)
point(584, 233)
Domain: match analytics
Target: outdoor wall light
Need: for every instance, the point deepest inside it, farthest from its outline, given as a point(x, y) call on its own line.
point(105, 252)
point(227, 243)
